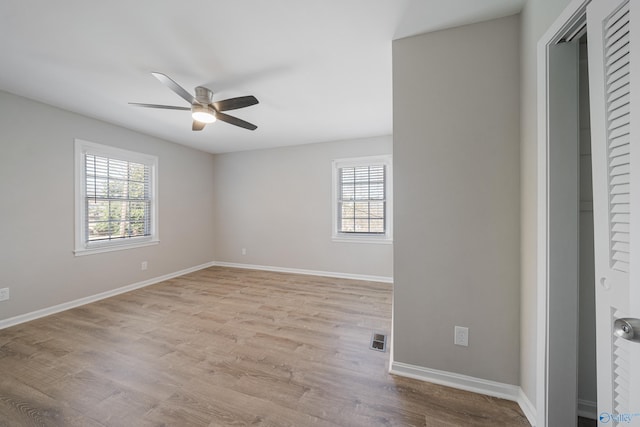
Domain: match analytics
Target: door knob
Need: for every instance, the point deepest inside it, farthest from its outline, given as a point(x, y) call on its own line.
point(627, 328)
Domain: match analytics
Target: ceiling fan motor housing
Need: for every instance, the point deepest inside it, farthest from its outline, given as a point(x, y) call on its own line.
point(204, 95)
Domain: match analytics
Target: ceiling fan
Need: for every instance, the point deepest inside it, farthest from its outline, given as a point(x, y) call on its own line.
point(203, 109)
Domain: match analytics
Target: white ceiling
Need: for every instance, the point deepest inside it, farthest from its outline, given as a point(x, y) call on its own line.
point(320, 68)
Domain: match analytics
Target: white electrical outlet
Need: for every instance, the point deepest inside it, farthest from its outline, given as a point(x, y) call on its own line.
point(244, 251)
point(143, 265)
point(461, 336)
point(4, 294)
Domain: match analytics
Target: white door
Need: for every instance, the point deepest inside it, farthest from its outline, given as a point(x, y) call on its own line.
point(612, 30)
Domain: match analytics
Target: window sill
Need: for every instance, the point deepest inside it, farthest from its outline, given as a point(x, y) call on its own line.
point(376, 240)
point(114, 247)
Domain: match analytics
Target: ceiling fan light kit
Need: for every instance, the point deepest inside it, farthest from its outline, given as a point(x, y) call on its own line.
point(203, 113)
point(203, 109)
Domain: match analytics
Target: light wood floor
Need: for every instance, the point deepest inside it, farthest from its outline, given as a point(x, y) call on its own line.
point(223, 347)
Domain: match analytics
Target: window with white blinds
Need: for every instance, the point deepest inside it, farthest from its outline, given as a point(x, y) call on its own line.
point(361, 198)
point(116, 206)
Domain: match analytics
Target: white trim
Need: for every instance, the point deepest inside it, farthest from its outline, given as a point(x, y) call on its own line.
point(132, 244)
point(368, 278)
point(468, 383)
point(552, 35)
point(12, 321)
point(376, 240)
point(541, 256)
point(16, 320)
point(459, 381)
point(82, 247)
point(527, 407)
point(387, 237)
point(587, 409)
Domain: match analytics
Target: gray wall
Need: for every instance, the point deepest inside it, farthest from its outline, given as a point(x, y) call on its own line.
point(456, 179)
point(276, 203)
point(37, 213)
point(536, 18)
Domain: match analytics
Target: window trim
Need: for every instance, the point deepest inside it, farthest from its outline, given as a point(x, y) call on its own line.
point(82, 245)
point(387, 237)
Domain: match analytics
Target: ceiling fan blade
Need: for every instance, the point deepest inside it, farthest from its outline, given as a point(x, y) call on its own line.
point(175, 87)
point(196, 125)
point(235, 103)
point(163, 107)
point(235, 121)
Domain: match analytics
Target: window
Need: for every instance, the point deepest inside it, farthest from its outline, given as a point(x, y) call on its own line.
point(116, 205)
point(362, 199)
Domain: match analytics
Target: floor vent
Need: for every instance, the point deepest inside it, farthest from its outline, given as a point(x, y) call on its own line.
point(378, 342)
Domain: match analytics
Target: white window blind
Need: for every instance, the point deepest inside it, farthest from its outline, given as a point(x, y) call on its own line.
point(118, 198)
point(362, 199)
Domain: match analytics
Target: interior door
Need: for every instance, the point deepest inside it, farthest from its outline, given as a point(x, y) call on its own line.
point(612, 30)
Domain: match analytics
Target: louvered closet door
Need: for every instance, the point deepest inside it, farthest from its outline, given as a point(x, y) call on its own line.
point(616, 180)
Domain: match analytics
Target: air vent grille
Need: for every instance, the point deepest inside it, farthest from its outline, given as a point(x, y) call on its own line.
point(378, 342)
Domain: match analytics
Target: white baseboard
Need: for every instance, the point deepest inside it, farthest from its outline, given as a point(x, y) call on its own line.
point(5, 323)
point(587, 409)
point(527, 407)
point(465, 382)
point(450, 379)
point(87, 300)
point(384, 279)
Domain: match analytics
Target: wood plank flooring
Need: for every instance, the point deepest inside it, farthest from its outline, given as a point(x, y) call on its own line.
point(225, 347)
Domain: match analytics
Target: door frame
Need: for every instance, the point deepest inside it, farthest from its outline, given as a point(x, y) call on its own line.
point(574, 12)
